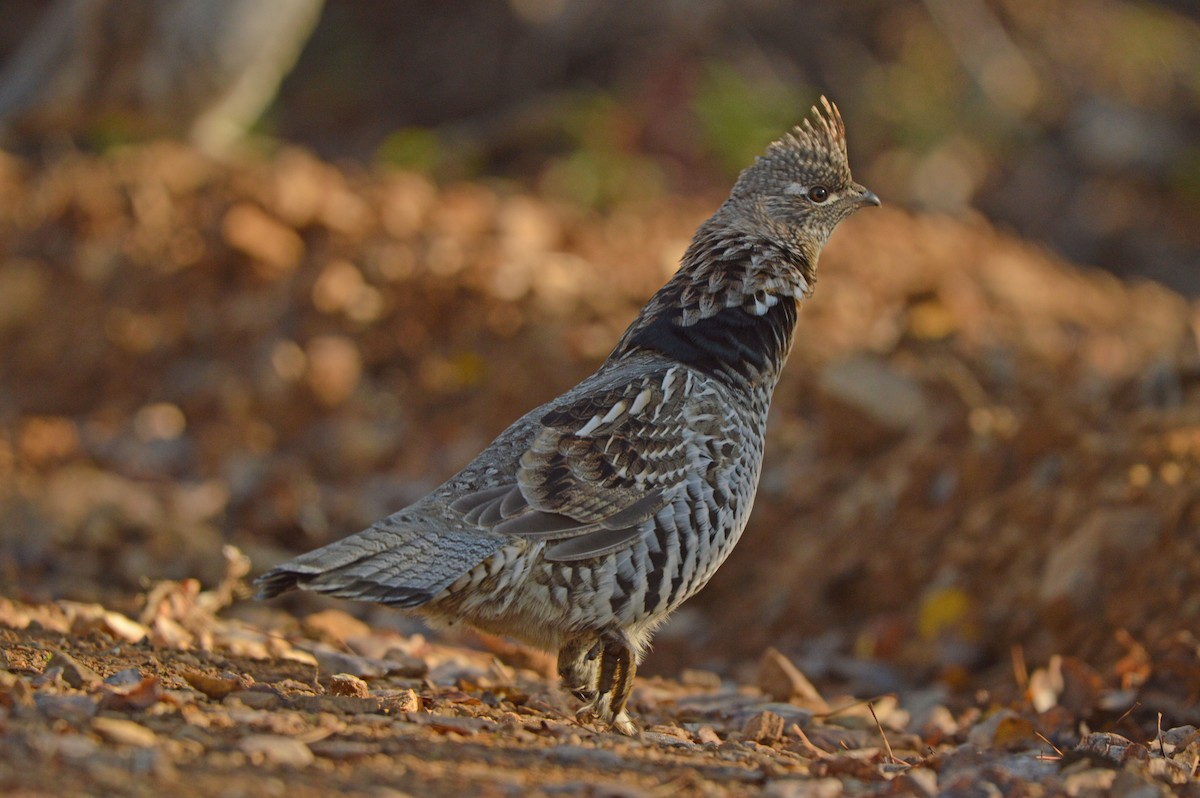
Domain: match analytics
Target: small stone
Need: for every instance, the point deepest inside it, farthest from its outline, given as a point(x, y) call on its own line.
point(783, 681)
point(293, 687)
point(255, 699)
point(1130, 783)
point(1178, 738)
point(122, 628)
point(76, 709)
point(666, 740)
point(125, 678)
point(404, 701)
point(138, 696)
point(124, 732)
point(216, 687)
point(348, 684)
point(276, 750)
point(707, 735)
point(1092, 780)
point(72, 747)
point(765, 727)
point(73, 672)
point(915, 781)
point(335, 625)
point(401, 663)
point(448, 724)
point(1004, 728)
point(344, 750)
point(15, 692)
point(1112, 747)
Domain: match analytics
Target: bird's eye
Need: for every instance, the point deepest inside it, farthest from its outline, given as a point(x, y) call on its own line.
point(818, 193)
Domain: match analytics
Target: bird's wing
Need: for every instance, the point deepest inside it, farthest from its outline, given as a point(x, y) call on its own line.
point(600, 466)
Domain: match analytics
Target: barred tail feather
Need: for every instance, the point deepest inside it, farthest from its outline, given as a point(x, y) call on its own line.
point(399, 561)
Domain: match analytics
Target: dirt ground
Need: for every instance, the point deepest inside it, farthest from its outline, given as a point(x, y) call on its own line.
point(979, 516)
point(187, 703)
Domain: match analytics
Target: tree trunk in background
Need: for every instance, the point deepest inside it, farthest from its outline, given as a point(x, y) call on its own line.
point(202, 69)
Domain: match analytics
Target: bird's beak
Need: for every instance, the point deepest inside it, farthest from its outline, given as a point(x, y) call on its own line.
point(866, 197)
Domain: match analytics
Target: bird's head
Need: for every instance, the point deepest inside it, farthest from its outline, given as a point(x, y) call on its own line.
point(755, 258)
point(796, 192)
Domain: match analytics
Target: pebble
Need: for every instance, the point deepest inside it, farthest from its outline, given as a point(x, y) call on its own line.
point(77, 709)
point(343, 750)
point(779, 678)
point(276, 750)
point(403, 701)
point(348, 684)
point(1113, 747)
point(919, 781)
point(1004, 728)
point(216, 687)
point(255, 699)
point(15, 692)
point(124, 678)
point(124, 732)
point(72, 671)
point(666, 740)
point(335, 625)
point(765, 727)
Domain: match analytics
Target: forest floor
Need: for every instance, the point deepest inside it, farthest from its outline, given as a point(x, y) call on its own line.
point(974, 558)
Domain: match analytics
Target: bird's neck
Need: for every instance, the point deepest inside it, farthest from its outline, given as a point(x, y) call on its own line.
point(730, 310)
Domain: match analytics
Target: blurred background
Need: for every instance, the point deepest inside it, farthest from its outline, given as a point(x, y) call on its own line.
point(1072, 122)
point(271, 270)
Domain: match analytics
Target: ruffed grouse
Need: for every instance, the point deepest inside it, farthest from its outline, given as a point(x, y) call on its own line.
point(585, 523)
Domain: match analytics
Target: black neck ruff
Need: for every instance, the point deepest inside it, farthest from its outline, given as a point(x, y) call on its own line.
point(730, 344)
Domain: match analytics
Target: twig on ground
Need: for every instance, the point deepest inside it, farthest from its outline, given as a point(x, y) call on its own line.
point(1046, 757)
point(1124, 715)
point(819, 753)
point(886, 744)
point(847, 707)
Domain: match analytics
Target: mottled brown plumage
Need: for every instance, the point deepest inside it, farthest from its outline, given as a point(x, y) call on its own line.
point(585, 523)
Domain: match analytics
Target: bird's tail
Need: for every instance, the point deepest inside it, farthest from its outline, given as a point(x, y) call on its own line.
point(399, 561)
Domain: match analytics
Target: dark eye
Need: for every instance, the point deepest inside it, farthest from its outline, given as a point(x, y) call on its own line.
point(818, 193)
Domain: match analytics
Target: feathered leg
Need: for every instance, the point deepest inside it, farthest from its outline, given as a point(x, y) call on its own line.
point(613, 682)
point(577, 668)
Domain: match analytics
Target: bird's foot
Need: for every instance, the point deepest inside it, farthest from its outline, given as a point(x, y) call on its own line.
point(608, 667)
point(600, 710)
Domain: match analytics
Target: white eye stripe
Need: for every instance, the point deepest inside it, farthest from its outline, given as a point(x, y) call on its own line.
point(798, 190)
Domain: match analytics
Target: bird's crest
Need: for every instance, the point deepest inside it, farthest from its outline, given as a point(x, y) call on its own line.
point(814, 150)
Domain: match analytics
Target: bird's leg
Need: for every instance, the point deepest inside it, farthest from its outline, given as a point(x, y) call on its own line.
point(613, 681)
point(577, 668)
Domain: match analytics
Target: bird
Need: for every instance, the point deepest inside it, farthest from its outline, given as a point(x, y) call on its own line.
point(591, 518)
